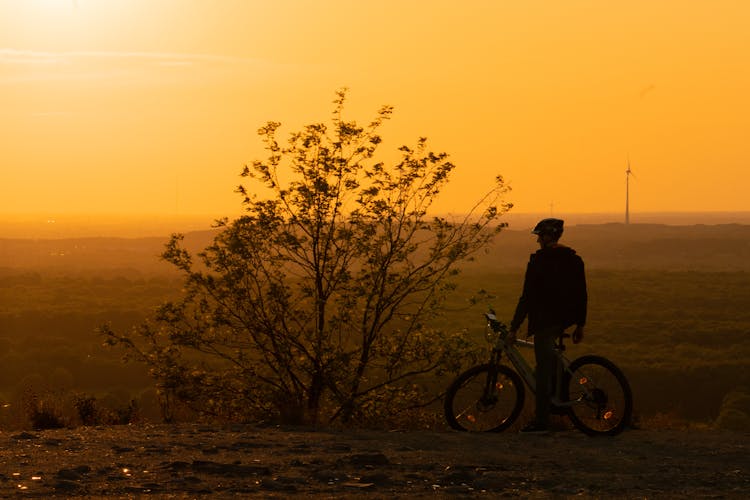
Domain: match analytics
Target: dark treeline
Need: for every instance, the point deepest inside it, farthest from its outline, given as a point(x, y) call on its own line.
point(668, 304)
point(723, 247)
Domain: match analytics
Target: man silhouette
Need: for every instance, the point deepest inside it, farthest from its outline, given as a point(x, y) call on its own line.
point(554, 298)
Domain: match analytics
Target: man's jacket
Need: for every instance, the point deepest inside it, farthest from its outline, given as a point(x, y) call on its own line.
point(554, 290)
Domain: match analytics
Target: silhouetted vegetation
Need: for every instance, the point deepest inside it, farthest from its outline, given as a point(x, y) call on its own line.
point(44, 413)
point(680, 335)
point(316, 304)
point(734, 413)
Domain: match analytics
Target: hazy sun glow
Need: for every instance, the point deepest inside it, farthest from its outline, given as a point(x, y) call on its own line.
point(52, 4)
point(48, 6)
point(142, 106)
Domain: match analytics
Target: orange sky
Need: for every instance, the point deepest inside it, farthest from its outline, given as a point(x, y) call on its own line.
point(151, 106)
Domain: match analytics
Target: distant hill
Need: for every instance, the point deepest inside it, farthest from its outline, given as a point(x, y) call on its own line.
point(76, 255)
point(521, 221)
point(723, 247)
point(45, 226)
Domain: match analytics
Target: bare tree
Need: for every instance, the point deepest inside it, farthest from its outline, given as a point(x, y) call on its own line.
point(320, 302)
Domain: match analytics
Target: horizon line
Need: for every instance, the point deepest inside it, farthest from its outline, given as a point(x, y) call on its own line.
point(209, 214)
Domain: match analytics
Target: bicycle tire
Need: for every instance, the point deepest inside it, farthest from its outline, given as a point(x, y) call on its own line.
point(602, 402)
point(467, 408)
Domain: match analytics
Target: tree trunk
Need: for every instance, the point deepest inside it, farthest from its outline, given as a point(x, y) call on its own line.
point(313, 399)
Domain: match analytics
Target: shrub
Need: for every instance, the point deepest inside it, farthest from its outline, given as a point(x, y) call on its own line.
point(316, 303)
point(735, 411)
point(44, 413)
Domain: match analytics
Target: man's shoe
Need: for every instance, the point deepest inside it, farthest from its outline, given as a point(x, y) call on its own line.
point(535, 428)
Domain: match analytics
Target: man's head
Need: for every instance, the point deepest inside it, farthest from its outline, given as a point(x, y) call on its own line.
point(548, 231)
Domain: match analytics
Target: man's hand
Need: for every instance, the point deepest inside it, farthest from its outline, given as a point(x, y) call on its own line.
point(511, 338)
point(578, 334)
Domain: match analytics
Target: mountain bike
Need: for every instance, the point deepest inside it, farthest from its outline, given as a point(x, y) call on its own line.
point(591, 390)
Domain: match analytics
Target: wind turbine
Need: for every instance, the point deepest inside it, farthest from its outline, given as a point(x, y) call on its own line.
point(628, 173)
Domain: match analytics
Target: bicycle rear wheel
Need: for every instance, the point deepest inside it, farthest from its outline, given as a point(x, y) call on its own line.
point(485, 398)
point(599, 395)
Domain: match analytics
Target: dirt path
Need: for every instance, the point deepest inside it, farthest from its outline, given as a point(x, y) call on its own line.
point(189, 461)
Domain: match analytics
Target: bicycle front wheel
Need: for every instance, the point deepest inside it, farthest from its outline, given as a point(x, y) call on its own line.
point(598, 394)
point(485, 398)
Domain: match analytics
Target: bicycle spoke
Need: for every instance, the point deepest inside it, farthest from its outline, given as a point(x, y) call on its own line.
point(481, 401)
point(465, 414)
point(600, 396)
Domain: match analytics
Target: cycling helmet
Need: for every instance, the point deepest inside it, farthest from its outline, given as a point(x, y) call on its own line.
point(552, 227)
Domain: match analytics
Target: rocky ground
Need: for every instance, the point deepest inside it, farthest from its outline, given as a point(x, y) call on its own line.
point(188, 461)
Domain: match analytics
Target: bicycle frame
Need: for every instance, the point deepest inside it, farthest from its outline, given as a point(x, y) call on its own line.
point(522, 367)
point(590, 390)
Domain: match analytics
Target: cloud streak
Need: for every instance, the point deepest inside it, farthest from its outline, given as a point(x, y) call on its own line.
point(19, 66)
point(16, 56)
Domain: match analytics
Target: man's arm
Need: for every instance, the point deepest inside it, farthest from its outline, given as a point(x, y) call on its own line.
point(582, 294)
point(578, 334)
point(522, 308)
